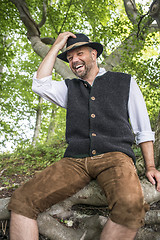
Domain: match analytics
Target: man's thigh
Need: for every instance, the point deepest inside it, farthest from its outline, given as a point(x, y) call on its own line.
point(123, 191)
point(52, 185)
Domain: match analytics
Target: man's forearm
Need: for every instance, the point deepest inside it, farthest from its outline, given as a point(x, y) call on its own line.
point(46, 67)
point(148, 154)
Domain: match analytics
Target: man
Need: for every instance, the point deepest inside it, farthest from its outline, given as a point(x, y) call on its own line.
point(99, 105)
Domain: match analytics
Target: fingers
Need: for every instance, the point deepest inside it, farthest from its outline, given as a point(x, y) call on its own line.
point(66, 35)
point(151, 178)
point(154, 178)
point(62, 39)
point(157, 177)
point(70, 34)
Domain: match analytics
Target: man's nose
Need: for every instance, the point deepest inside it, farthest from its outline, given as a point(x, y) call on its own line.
point(75, 59)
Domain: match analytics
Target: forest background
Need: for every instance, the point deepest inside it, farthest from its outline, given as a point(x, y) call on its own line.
point(30, 125)
point(26, 119)
point(131, 42)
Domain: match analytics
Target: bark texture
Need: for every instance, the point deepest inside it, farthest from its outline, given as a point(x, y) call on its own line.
point(62, 221)
point(38, 122)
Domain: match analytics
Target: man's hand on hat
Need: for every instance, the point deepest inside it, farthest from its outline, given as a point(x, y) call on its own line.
point(62, 39)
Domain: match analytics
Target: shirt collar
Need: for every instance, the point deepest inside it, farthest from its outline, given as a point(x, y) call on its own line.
point(101, 72)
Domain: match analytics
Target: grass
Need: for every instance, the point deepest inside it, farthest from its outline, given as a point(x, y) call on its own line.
point(39, 157)
point(24, 162)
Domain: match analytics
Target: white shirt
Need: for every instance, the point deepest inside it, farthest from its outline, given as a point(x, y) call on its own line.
point(57, 91)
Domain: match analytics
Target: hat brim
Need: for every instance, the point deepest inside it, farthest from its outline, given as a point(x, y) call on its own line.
point(97, 46)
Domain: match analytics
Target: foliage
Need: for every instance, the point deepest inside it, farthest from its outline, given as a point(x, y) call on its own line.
point(28, 159)
point(144, 67)
point(104, 21)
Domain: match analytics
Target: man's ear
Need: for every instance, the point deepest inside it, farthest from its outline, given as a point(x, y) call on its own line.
point(94, 54)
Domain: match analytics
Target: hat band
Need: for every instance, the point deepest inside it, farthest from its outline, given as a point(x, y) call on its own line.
point(76, 45)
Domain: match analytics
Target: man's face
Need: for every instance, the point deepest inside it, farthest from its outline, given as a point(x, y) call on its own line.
point(82, 60)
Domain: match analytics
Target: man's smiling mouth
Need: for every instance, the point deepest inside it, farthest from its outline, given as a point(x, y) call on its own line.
point(78, 66)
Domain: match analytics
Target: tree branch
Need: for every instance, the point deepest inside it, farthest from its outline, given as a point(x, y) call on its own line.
point(154, 11)
point(128, 47)
point(44, 14)
point(65, 16)
point(33, 34)
point(131, 10)
point(85, 226)
point(134, 15)
point(30, 24)
point(143, 25)
point(48, 40)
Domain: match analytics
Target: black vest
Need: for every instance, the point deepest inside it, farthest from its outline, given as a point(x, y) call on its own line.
point(97, 117)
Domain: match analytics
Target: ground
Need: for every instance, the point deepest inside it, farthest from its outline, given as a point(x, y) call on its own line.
point(13, 182)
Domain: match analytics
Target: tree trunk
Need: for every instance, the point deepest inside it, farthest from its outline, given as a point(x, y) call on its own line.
point(38, 122)
point(51, 127)
point(63, 221)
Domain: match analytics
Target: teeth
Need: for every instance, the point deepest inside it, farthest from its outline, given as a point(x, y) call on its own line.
point(78, 66)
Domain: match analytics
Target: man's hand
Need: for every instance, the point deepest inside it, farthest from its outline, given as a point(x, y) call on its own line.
point(46, 66)
point(62, 39)
point(152, 173)
point(153, 176)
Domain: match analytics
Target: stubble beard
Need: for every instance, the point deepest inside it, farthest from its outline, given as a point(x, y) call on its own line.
point(84, 73)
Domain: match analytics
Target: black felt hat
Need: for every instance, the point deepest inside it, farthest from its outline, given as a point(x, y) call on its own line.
point(80, 40)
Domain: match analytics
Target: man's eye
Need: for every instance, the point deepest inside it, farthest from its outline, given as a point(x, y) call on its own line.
point(80, 53)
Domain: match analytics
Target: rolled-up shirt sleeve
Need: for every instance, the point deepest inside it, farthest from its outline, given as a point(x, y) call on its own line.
point(138, 115)
point(53, 91)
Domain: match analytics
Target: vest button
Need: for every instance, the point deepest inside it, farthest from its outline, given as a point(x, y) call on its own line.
point(94, 134)
point(85, 84)
point(94, 152)
point(93, 115)
point(93, 98)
